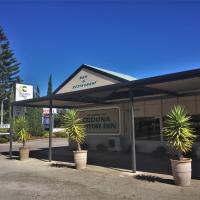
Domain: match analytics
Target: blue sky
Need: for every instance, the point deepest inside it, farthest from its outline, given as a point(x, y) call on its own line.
point(139, 38)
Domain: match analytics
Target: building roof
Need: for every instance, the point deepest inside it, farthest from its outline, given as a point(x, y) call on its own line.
point(117, 74)
point(118, 77)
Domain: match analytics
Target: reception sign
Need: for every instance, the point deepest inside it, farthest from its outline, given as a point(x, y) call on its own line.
point(101, 121)
point(23, 92)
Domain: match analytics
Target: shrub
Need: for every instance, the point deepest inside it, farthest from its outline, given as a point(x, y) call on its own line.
point(44, 134)
point(34, 118)
point(4, 139)
point(4, 130)
point(60, 134)
point(178, 130)
point(21, 129)
point(74, 127)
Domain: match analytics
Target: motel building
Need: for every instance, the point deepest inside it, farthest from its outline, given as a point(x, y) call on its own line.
point(122, 112)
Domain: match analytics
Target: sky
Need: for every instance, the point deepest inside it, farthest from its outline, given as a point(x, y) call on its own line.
point(138, 38)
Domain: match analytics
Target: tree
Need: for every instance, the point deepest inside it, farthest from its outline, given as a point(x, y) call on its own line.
point(34, 117)
point(9, 71)
point(37, 92)
point(50, 88)
point(9, 67)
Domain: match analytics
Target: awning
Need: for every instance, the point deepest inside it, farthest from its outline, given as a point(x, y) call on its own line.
point(165, 86)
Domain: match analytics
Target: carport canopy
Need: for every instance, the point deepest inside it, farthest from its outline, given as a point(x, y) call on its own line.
point(89, 86)
point(171, 85)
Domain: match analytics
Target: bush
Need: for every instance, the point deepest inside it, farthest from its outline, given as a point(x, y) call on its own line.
point(44, 134)
point(34, 117)
point(4, 130)
point(60, 134)
point(4, 139)
point(178, 130)
point(74, 127)
point(21, 129)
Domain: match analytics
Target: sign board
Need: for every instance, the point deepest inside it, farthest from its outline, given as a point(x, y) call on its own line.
point(86, 79)
point(23, 92)
point(101, 121)
point(4, 125)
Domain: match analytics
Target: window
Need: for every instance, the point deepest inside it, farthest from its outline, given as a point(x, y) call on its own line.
point(147, 128)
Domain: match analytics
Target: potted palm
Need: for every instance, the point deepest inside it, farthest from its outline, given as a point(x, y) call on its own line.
point(21, 127)
point(75, 130)
point(180, 136)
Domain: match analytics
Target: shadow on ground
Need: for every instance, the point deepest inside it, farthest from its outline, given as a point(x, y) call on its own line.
point(115, 160)
point(150, 178)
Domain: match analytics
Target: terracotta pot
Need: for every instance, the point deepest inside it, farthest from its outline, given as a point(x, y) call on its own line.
point(182, 171)
point(80, 159)
point(24, 153)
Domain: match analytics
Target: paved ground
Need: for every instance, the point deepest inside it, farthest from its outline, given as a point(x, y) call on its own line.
point(39, 179)
point(145, 162)
point(35, 179)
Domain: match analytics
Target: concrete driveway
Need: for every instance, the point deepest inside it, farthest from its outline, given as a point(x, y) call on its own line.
point(36, 179)
point(39, 179)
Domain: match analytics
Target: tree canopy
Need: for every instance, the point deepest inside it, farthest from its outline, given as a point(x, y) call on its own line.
point(9, 67)
point(9, 72)
point(50, 88)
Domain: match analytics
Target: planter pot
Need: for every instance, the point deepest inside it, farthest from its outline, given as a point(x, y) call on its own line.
point(181, 170)
point(80, 159)
point(24, 153)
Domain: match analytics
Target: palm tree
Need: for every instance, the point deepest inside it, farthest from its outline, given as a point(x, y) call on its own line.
point(74, 127)
point(178, 130)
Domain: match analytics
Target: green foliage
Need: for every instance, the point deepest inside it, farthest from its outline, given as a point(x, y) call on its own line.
point(58, 118)
point(4, 139)
point(4, 130)
point(9, 72)
point(34, 118)
point(44, 134)
point(50, 88)
point(37, 92)
point(74, 127)
point(9, 67)
point(60, 134)
point(178, 130)
point(21, 129)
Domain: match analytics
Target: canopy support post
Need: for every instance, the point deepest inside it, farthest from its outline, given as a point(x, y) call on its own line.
point(50, 131)
point(133, 157)
point(11, 130)
point(161, 123)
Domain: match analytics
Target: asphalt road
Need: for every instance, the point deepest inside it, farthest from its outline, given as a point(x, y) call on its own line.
point(35, 144)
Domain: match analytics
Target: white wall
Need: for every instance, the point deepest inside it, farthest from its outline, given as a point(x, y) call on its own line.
point(153, 108)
